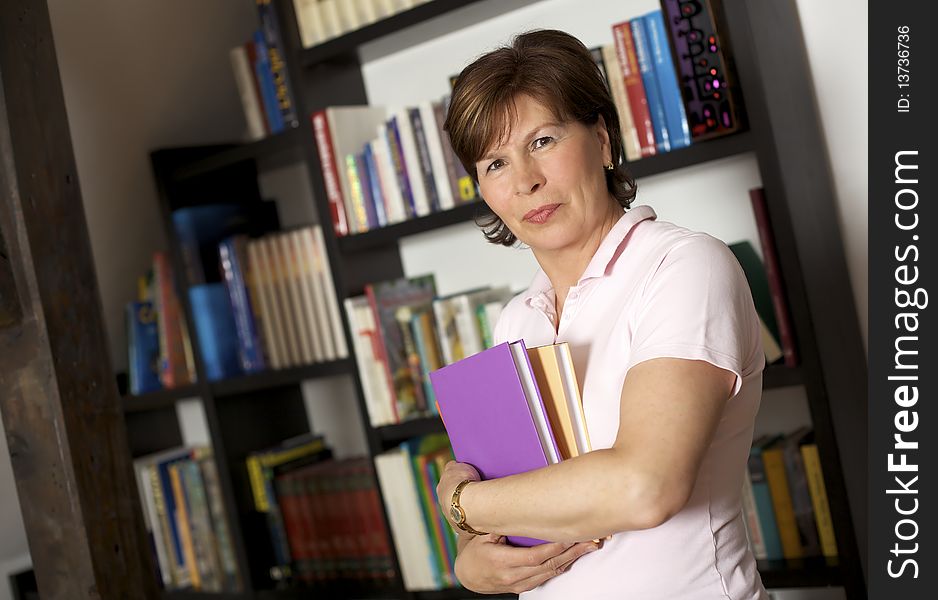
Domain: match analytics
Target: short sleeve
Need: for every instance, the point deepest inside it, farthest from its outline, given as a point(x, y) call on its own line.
point(697, 306)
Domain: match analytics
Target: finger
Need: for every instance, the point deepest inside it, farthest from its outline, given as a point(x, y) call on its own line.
point(555, 564)
point(517, 556)
point(533, 581)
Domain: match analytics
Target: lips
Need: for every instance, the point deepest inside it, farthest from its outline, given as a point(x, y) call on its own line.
point(541, 213)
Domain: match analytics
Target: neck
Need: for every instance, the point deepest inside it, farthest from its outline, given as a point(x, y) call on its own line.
point(565, 266)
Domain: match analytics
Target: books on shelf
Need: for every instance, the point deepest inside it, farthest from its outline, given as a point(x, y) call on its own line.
point(497, 415)
point(177, 363)
point(423, 538)
point(386, 165)
point(322, 20)
point(401, 332)
point(785, 505)
point(185, 517)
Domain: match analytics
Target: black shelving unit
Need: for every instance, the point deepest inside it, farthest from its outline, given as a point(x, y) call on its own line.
point(783, 133)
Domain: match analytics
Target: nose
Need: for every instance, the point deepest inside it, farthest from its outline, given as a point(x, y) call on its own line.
point(528, 177)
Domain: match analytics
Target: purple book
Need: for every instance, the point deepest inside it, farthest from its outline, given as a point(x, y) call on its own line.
point(487, 415)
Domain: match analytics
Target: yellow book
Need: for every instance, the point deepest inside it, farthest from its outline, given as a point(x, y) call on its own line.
point(182, 526)
point(257, 463)
point(774, 462)
point(553, 371)
point(822, 510)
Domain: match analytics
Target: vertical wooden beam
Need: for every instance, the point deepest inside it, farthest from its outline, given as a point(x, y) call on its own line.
point(60, 406)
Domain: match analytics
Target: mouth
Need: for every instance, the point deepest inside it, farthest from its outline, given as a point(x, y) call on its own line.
point(541, 213)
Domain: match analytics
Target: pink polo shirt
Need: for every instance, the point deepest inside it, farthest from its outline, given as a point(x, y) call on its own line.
point(654, 289)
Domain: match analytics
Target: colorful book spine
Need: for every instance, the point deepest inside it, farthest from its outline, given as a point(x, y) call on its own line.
point(364, 184)
point(400, 166)
point(634, 88)
point(330, 173)
point(774, 461)
point(265, 79)
point(650, 83)
point(359, 217)
point(176, 366)
point(233, 254)
point(822, 509)
point(273, 36)
point(763, 500)
point(375, 194)
point(423, 158)
point(674, 115)
point(143, 346)
point(801, 497)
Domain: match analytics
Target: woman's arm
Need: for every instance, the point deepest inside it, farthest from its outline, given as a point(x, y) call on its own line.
point(669, 410)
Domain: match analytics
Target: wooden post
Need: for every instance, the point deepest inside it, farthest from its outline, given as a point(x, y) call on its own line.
point(60, 407)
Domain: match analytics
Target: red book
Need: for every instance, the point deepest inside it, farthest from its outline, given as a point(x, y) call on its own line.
point(288, 498)
point(330, 172)
point(634, 88)
point(174, 362)
point(773, 273)
point(379, 546)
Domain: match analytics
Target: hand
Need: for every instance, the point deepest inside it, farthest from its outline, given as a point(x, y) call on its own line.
point(453, 474)
point(488, 565)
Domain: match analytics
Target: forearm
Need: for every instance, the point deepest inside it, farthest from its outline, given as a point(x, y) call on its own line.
point(588, 497)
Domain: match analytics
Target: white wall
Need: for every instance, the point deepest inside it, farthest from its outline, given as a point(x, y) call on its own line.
point(136, 76)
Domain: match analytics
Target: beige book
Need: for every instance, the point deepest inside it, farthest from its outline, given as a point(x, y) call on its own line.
point(305, 275)
point(553, 393)
point(292, 278)
point(631, 146)
point(270, 326)
point(283, 325)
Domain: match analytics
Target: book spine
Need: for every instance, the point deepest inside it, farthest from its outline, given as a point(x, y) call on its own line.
point(250, 49)
point(822, 509)
point(751, 519)
point(650, 84)
point(173, 362)
point(166, 509)
point(309, 22)
point(258, 282)
point(332, 305)
point(265, 79)
point(400, 167)
point(382, 354)
point(288, 498)
point(634, 88)
point(282, 299)
point(153, 503)
point(250, 101)
point(412, 360)
point(423, 158)
point(144, 347)
point(394, 198)
point(204, 540)
point(425, 354)
point(365, 215)
point(306, 277)
point(466, 187)
point(273, 36)
point(294, 284)
point(216, 505)
point(375, 196)
point(631, 145)
point(433, 140)
point(781, 502)
point(764, 510)
point(316, 283)
point(330, 173)
point(773, 272)
point(184, 528)
point(231, 253)
point(675, 117)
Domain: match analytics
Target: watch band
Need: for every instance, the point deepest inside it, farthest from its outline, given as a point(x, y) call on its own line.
point(457, 512)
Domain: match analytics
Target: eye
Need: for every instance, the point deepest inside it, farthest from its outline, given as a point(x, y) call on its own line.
point(495, 165)
point(541, 142)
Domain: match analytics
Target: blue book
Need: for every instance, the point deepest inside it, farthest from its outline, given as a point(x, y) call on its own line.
point(377, 195)
point(649, 80)
point(674, 116)
point(216, 330)
point(364, 184)
point(400, 167)
point(423, 155)
point(265, 81)
point(273, 37)
point(169, 499)
point(143, 346)
point(763, 498)
point(199, 229)
point(233, 252)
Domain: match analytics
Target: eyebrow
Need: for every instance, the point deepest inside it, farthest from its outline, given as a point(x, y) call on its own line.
point(527, 139)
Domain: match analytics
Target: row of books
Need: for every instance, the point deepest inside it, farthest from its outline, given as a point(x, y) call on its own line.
point(261, 75)
point(768, 290)
point(321, 20)
point(785, 503)
point(386, 165)
point(323, 515)
point(279, 291)
point(424, 540)
point(401, 331)
point(186, 521)
point(658, 110)
point(158, 345)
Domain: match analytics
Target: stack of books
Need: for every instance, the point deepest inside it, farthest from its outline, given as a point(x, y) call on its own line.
point(263, 82)
point(158, 345)
point(383, 166)
point(424, 540)
point(324, 516)
point(321, 20)
point(401, 331)
point(669, 81)
point(785, 503)
point(185, 518)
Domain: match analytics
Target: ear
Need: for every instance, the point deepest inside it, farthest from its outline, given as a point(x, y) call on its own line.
point(602, 134)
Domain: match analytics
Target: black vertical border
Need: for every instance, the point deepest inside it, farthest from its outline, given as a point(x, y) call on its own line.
point(893, 132)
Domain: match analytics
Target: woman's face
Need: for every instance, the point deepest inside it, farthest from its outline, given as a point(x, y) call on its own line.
point(546, 181)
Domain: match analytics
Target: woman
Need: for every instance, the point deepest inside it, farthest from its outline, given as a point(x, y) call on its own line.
point(665, 339)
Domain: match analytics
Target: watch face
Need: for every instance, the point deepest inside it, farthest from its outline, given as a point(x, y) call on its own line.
point(457, 515)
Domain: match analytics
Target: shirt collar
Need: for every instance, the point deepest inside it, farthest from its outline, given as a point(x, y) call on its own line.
point(540, 293)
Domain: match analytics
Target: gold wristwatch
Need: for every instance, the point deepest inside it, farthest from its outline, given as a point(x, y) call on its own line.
point(458, 514)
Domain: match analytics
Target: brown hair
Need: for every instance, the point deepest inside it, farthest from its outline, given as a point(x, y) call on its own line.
point(555, 69)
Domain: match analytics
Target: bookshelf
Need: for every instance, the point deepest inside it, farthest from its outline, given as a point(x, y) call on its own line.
point(251, 412)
